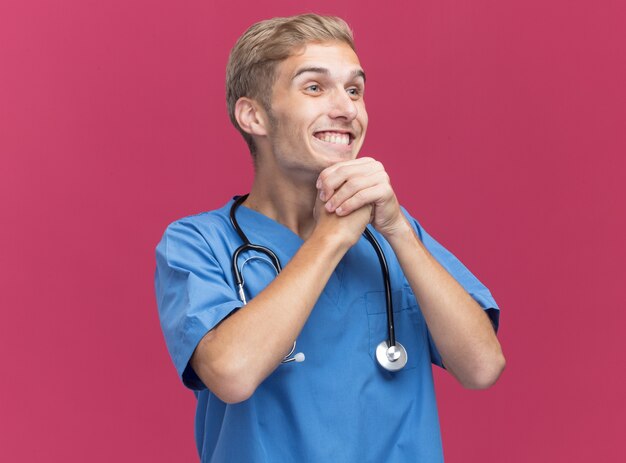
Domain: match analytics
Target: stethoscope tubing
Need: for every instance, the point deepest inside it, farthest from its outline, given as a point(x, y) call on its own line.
point(391, 332)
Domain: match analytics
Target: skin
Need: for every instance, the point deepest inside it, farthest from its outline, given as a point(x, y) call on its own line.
point(323, 193)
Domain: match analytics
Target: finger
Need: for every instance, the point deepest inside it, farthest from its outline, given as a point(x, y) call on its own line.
point(357, 161)
point(354, 185)
point(361, 198)
point(334, 176)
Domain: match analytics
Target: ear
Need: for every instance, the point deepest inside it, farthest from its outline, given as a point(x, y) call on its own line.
point(251, 116)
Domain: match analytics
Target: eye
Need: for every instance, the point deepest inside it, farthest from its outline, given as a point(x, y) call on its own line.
point(313, 88)
point(354, 92)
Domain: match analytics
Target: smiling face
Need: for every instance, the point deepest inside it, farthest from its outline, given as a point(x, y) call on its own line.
point(317, 114)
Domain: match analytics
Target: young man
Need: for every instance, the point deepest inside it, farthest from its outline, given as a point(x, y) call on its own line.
point(295, 91)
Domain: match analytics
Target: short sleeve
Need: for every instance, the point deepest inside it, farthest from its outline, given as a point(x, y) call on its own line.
point(192, 294)
point(460, 273)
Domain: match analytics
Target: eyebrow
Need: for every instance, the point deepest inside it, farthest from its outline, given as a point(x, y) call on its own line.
point(318, 70)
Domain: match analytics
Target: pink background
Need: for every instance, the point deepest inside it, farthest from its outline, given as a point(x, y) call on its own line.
point(502, 125)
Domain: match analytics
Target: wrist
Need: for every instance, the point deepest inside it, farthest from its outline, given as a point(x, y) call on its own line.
point(334, 239)
point(399, 230)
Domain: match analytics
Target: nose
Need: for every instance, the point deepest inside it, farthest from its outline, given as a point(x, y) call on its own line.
point(342, 106)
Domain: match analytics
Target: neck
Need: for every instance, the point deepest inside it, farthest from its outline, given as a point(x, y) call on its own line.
point(286, 199)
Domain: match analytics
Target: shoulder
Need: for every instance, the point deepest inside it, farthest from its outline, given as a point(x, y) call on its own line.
point(204, 232)
point(204, 223)
point(208, 219)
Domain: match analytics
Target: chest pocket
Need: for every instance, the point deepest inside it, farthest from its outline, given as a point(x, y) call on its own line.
point(409, 325)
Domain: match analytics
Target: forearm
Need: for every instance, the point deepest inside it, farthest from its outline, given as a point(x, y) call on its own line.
point(460, 328)
point(237, 355)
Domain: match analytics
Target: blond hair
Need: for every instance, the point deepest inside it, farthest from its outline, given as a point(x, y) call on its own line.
point(252, 62)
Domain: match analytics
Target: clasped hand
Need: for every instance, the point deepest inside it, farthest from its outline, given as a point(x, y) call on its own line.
point(363, 183)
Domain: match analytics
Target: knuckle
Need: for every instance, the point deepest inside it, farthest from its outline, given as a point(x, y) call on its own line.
point(341, 170)
point(354, 183)
point(360, 195)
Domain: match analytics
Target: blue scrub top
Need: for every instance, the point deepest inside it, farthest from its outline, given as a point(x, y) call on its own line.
point(339, 404)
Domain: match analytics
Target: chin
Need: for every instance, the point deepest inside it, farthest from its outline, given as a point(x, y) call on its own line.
point(329, 157)
point(327, 161)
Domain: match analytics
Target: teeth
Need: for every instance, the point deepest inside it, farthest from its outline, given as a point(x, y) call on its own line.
point(333, 137)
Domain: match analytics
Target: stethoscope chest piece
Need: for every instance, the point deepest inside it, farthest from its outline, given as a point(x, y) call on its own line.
point(392, 358)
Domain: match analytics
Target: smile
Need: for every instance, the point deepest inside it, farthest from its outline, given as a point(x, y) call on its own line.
point(337, 138)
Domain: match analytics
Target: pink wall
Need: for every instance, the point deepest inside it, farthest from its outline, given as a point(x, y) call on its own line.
point(502, 125)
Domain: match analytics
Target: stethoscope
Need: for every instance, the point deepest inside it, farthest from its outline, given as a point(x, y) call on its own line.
point(391, 355)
